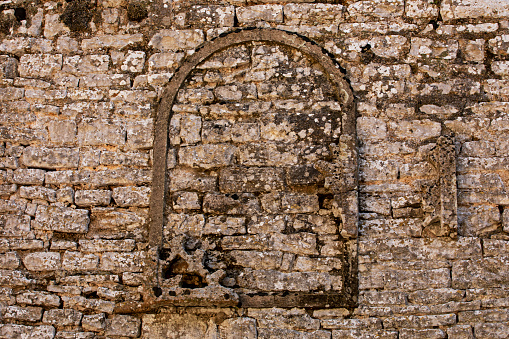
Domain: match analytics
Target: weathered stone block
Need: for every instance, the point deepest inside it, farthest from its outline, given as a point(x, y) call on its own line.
point(62, 219)
point(37, 192)
point(200, 16)
point(223, 225)
point(28, 313)
point(168, 40)
point(480, 273)
point(207, 156)
point(359, 333)
point(22, 331)
point(266, 260)
point(185, 201)
point(42, 261)
point(38, 298)
point(86, 64)
point(268, 280)
point(88, 198)
point(173, 326)
point(79, 262)
point(238, 328)
point(252, 14)
point(62, 317)
point(94, 132)
point(363, 10)
point(94, 322)
point(28, 176)
point(231, 204)
point(239, 179)
point(139, 134)
point(14, 226)
point(473, 9)
point(9, 260)
point(122, 262)
point(115, 42)
point(40, 65)
point(131, 196)
point(123, 325)
point(184, 223)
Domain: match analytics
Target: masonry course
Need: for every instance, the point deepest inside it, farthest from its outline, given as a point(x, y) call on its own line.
point(325, 169)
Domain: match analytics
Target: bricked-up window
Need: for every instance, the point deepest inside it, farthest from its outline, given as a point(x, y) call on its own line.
point(260, 186)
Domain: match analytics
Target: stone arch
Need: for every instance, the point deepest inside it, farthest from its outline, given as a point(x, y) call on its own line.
point(342, 176)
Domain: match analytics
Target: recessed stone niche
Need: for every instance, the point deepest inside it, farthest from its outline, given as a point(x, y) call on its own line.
point(258, 202)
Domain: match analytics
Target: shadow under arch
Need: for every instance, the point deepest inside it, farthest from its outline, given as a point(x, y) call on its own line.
point(345, 189)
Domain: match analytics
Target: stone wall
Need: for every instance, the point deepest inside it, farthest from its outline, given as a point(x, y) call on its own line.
point(289, 201)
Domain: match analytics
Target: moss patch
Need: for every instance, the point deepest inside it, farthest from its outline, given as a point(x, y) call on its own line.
point(77, 15)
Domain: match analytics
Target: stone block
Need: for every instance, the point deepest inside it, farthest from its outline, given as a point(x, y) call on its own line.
point(478, 220)
point(122, 262)
point(115, 42)
point(496, 89)
point(185, 223)
point(420, 321)
point(266, 260)
point(185, 201)
point(472, 50)
point(139, 134)
point(406, 333)
point(423, 48)
point(28, 313)
point(312, 14)
point(360, 333)
point(131, 196)
point(61, 219)
point(62, 132)
point(266, 224)
point(37, 192)
point(200, 16)
point(42, 261)
point(253, 14)
point(86, 198)
point(170, 40)
point(173, 326)
point(299, 203)
point(94, 132)
point(14, 278)
point(267, 154)
point(421, 9)
point(369, 128)
point(207, 156)
point(98, 63)
point(269, 280)
point(223, 225)
point(164, 61)
point(123, 325)
point(105, 80)
point(83, 304)
point(480, 273)
point(38, 298)
point(231, 204)
point(40, 65)
point(386, 9)
point(196, 96)
point(499, 45)
point(12, 206)
point(418, 130)
point(238, 328)
point(79, 262)
point(294, 318)
point(94, 322)
point(473, 9)
point(460, 332)
point(9, 260)
point(371, 323)
point(62, 317)
point(28, 176)
point(22, 331)
point(261, 179)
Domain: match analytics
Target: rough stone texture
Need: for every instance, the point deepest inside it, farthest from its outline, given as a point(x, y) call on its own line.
point(261, 204)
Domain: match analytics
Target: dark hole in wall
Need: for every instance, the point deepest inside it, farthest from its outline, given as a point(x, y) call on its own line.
point(191, 280)
point(20, 13)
